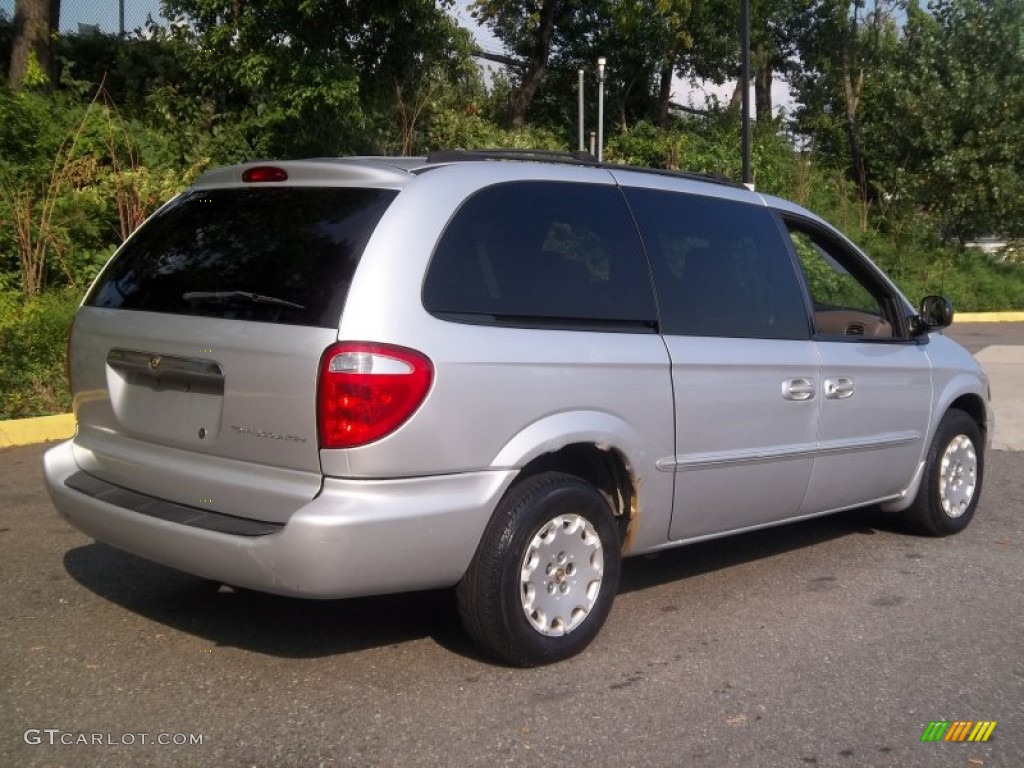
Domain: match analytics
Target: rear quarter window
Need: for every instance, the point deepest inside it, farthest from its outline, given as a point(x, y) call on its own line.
point(280, 255)
point(542, 254)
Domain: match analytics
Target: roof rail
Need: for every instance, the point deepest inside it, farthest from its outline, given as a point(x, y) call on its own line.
point(537, 155)
point(567, 158)
point(710, 177)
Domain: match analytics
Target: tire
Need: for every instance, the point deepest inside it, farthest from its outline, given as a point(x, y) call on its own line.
point(545, 572)
point(951, 484)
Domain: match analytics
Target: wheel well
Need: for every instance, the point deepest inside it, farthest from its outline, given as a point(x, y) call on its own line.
point(601, 466)
point(973, 406)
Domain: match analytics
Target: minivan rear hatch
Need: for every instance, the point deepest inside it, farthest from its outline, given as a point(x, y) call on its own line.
point(194, 357)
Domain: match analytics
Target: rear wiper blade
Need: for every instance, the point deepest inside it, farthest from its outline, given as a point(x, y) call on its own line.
point(252, 298)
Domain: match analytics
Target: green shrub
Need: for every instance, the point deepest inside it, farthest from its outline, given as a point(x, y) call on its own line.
point(33, 344)
point(459, 129)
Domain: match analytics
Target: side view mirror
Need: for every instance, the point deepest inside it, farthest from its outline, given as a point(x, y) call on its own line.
point(936, 312)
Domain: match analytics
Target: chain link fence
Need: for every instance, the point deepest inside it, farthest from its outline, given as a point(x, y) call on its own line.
point(100, 16)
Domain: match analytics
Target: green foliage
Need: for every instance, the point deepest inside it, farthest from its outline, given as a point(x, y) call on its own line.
point(948, 139)
point(454, 128)
point(129, 69)
point(33, 343)
point(707, 145)
point(937, 107)
point(972, 280)
point(286, 79)
point(35, 77)
point(72, 185)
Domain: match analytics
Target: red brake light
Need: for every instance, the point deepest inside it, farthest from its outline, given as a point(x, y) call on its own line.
point(260, 173)
point(367, 391)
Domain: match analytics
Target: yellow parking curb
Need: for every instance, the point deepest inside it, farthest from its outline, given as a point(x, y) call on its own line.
point(38, 430)
point(988, 317)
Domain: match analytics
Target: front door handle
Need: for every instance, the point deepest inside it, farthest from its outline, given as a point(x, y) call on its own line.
point(798, 389)
point(838, 389)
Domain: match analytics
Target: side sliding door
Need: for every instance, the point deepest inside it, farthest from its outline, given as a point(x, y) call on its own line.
point(744, 370)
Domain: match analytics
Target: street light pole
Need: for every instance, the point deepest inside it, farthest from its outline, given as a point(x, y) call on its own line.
point(601, 62)
point(745, 85)
point(580, 120)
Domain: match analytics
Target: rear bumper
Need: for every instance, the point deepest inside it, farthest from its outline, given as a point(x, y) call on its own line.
point(357, 537)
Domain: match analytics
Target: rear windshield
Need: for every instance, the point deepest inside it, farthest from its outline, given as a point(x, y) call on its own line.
point(283, 255)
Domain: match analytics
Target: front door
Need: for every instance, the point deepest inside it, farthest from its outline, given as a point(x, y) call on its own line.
point(876, 383)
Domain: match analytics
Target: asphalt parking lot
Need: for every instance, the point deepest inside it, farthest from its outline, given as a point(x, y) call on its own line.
point(828, 643)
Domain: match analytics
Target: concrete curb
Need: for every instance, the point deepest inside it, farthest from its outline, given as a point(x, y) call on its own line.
point(988, 317)
point(38, 430)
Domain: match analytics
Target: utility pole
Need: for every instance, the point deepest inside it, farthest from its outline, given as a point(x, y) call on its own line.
point(601, 62)
point(748, 179)
point(120, 16)
point(579, 87)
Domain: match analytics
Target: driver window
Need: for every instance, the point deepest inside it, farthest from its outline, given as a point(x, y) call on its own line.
point(844, 303)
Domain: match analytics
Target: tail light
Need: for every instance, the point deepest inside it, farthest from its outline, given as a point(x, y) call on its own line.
point(367, 391)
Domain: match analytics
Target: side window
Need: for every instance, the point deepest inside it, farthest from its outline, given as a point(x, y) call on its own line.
point(721, 268)
point(551, 254)
point(845, 303)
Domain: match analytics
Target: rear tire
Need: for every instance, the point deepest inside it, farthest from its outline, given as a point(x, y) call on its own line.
point(951, 484)
point(545, 572)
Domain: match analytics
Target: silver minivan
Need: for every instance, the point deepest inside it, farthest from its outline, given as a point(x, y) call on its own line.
point(340, 377)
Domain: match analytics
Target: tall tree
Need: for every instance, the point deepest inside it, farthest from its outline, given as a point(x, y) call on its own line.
point(35, 22)
point(840, 46)
point(316, 77)
point(529, 30)
point(716, 55)
point(772, 49)
point(648, 45)
point(652, 39)
point(948, 139)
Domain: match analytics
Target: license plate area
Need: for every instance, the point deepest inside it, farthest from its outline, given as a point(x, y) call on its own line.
point(166, 397)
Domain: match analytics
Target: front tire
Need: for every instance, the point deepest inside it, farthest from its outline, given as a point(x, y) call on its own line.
point(545, 573)
point(953, 472)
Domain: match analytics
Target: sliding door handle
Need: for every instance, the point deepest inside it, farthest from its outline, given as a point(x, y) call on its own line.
point(798, 389)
